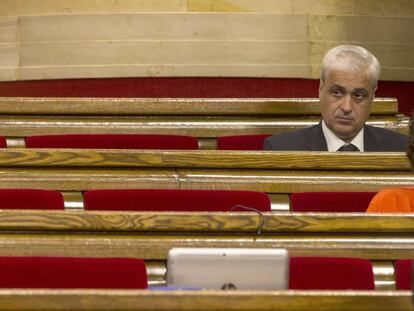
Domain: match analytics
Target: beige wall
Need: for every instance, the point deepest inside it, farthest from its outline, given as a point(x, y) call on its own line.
point(50, 39)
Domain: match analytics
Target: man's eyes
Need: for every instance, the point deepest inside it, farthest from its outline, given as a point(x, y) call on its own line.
point(337, 92)
point(359, 96)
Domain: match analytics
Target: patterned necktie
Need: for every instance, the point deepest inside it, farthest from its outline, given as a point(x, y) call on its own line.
point(348, 147)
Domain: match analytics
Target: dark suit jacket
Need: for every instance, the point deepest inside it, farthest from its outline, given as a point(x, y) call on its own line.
point(312, 139)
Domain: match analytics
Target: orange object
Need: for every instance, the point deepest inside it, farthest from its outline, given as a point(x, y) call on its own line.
point(393, 200)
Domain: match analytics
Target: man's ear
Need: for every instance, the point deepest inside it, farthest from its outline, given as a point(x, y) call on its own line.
point(373, 93)
point(320, 86)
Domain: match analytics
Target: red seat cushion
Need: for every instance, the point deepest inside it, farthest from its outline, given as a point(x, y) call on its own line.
point(330, 201)
point(112, 141)
point(403, 273)
point(174, 200)
point(241, 142)
point(3, 143)
point(64, 272)
point(31, 199)
point(330, 273)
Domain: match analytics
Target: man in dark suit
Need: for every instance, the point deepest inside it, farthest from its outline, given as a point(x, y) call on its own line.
point(347, 88)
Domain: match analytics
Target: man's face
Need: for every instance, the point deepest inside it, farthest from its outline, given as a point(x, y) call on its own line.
point(346, 100)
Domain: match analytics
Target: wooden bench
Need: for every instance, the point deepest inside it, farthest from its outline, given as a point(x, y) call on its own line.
point(205, 119)
point(150, 235)
point(277, 173)
point(205, 300)
point(70, 233)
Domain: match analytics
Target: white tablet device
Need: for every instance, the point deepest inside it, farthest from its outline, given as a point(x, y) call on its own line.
point(228, 268)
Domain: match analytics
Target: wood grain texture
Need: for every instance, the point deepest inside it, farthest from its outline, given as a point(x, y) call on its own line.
point(84, 179)
point(204, 300)
point(214, 159)
point(210, 222)
point(270, 181)
point(176, 106)
point(197, 126)
point(151, 235)
point(293, 181)
point(156, 246)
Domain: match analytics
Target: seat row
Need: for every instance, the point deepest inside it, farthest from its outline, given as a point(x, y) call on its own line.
point(183, 200)
point(204, 119)
point(133, 141)
point(305, 273)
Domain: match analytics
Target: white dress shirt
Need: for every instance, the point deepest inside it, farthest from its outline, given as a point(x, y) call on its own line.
point(334, 142)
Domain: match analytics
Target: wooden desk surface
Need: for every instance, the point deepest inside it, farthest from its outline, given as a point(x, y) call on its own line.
point(150, 235)
point(175, 106)
point(205, 300)
point(271, 172)
point(216, 159)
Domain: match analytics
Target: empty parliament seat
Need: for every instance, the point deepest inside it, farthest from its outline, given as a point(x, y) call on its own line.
point(175, 200)
point(112, 141)
point(330, 201)
point(241, 142)
point(31, 199)
point(334, 273)
point(72, 272)
point(403, 273)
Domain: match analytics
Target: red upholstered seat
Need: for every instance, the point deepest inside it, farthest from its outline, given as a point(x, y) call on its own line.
point(330, 201)
point(65, 272)
point(3, 143)
point(31, 199)
point(174, 200)
point(403, 273)
point(113, 141)
point(330, 273)
point(241, 142)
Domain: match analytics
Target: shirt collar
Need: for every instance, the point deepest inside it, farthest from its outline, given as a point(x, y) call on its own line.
point(334, 142)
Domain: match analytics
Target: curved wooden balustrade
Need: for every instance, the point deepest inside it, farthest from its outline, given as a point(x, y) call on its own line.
point(204, 300)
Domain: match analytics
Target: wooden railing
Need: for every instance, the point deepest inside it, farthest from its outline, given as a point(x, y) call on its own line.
point(205, 119)
point(175, 106)
point(271, 172)
point(381, 238)
point(205, 300)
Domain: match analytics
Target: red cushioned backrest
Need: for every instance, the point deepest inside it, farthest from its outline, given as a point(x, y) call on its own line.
point(3, 143)
point(113, 141)
point(64, 272)
point(403, 273)
point(174, 200)
point(241, 142)
point(330, 273)
point(31, 199)
point(330, 201)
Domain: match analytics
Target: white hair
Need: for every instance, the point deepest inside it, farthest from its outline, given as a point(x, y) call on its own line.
point(354, 58)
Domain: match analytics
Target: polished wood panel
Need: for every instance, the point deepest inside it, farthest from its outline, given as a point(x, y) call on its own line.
point(272, 172)
point(198, 126)
point(175, 106)
point(151, 235)
point(217, 159)
point(238, 222)
point(204, 300)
